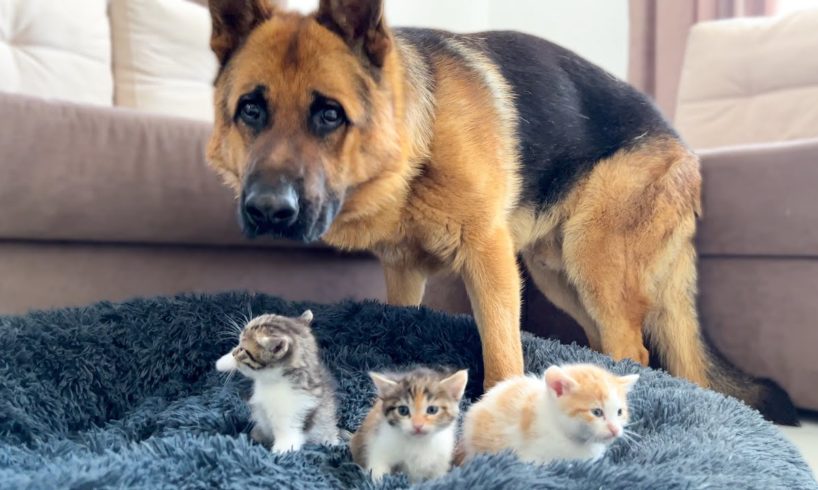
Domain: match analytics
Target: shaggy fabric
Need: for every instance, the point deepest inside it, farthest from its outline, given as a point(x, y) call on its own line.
point(125, 395)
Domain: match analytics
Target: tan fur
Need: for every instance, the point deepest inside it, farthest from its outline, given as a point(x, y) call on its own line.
point(424, 195)
point(357, 445)
point(618, 255)
point(510, 415)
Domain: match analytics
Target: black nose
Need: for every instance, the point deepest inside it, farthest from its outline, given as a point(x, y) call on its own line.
point(271, 208)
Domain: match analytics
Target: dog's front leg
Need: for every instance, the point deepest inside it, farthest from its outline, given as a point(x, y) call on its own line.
point(493, 283)
point(404, 284)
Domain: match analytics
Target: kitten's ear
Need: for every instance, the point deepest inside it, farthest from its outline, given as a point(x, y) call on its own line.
point(455, 384)
point(277, 345)
point(306, 317)
point(233, 20)
point(360, 24)
point(559, 381)
point(382, 383)
point(628, 381)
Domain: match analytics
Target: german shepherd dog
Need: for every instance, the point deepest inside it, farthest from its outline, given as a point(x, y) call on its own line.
point(439, 151)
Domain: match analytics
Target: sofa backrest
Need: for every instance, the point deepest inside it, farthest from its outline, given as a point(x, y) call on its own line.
point(150, 55)
point(751, 80)
point(161, 57)
point(56, 49)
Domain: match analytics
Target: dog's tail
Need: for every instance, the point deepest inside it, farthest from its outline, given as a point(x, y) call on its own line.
point(762, 394)
point(692, 356)
point(684, 350)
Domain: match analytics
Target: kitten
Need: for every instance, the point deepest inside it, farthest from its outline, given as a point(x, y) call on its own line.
point(411, 427)
point(573, 412)
point(293, 399)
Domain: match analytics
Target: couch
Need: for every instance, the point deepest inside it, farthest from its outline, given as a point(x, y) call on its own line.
point(104, 193)
point(748, 103)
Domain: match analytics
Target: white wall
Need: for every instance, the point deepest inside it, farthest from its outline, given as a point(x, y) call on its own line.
point(596, 29)
point(451, 15)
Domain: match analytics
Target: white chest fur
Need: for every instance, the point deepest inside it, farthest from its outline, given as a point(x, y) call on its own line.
point(420, 457)
point(550, 442)
point(279, 411)
point(553, 446)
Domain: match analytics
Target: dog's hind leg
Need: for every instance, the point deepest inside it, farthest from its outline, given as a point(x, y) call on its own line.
point(554, 286)
point(619, 221)
point(627, 222)
point(405, 284)
point(673, 326)
point(609, 291)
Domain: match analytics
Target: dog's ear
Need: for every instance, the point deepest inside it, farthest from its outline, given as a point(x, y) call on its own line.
point(359, 23)
point(232, 22)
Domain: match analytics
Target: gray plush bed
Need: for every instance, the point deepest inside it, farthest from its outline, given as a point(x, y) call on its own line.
point(125, 395)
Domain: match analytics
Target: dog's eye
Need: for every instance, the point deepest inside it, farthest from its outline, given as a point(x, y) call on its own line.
point(252, 110)
point(253, 115)
point(326, 115)
point(330, 116)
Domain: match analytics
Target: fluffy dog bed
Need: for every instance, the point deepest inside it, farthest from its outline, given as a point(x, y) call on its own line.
point(121, 395)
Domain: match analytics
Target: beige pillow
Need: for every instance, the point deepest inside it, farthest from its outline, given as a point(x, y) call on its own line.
point(162, 59)
point(56, 49)
point(750, 81)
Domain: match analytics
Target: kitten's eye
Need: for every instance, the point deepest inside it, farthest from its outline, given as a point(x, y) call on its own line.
point(619, 412)
point(403, 411)
point(597, 412)
point(431, 409)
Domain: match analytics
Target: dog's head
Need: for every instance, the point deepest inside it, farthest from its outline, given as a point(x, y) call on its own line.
point(303, 115)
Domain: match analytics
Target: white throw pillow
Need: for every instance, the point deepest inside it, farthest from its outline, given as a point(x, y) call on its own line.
point(162, 58)
point(56, 49)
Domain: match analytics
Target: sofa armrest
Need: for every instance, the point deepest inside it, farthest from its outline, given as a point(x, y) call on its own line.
point(760, 200)
point(80, 173)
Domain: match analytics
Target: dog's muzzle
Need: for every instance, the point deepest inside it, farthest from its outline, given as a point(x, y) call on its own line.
point(280, 209)
point(268, 209)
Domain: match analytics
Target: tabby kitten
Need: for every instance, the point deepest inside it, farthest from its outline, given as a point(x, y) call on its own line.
point(411, 427)
point(293, 399)
point(573, 412)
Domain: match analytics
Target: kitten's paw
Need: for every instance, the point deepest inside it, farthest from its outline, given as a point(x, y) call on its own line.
point(284, 449)
point(377, 474)
point(281, 446)
point(257, 434)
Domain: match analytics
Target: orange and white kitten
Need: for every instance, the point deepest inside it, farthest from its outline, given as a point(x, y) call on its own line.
point(572, 412)
point(411, 427)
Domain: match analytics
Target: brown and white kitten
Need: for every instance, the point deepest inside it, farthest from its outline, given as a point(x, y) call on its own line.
point(293, 399)
point(411, 427)
point(572, 412)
